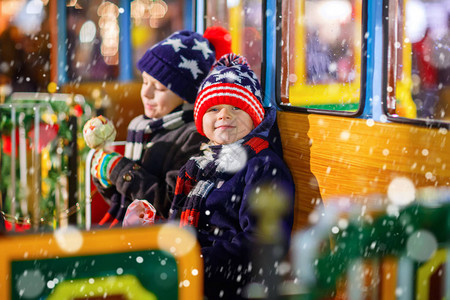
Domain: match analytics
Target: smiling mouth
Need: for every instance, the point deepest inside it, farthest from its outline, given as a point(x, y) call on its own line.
point(224, 127)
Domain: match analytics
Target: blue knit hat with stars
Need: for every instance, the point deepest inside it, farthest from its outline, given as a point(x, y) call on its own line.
point(180, 62)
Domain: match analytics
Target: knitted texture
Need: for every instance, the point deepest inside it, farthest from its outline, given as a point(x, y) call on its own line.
point(179, 62)
point(200, 175)
point(102, 165)
point(220, 38)
point(230, 82)
point(141, 128)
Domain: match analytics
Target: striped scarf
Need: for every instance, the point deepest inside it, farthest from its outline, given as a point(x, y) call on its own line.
point(201, 174)
point(141, 128)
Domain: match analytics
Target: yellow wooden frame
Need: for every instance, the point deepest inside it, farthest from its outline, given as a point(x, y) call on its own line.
point(236, 27)
point(180, 243)
point(405, 106)
point(425, 272)
point(301, 93)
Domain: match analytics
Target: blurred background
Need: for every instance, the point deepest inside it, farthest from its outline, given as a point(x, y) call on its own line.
point(92, 39)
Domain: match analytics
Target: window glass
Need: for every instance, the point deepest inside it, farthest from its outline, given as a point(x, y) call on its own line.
point(24, 47)
point(321, 54)
point(418, 78)
point(93, 34)
point(153, 21)
point(243, 18)
point(92, 40)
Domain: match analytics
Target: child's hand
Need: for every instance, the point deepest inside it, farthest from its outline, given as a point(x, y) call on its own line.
point(102, 165)
point(98, 131)
point(139, 212)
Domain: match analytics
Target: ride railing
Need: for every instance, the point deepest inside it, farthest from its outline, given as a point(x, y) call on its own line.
point(393, 252)
point(42, 159)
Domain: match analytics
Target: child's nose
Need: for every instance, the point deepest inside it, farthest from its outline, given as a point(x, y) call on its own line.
point(148, 90)
point(224, 113)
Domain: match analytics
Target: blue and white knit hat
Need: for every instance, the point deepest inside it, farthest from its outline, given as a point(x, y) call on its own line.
point(230, 82)
point(180, 62)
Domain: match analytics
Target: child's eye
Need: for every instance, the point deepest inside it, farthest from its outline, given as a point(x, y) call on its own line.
point(236, 108)
point(212, 109)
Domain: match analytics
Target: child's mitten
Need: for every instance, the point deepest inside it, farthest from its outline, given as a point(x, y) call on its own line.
point(102, 165)
point(139, 212)
point(98, 131)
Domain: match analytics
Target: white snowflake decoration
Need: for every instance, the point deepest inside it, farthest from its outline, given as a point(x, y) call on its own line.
point(229, 76)
point(232, 158)
point(252, 78)
point(257, 93)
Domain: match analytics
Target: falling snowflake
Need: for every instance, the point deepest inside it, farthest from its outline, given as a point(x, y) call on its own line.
point(401, 191)
point(31, 283)
point(345, 135)
point(421, 245)
point(69, 239)
point(232, 158)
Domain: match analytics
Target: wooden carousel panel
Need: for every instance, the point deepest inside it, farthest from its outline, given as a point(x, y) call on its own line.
point(335, 156)
point(118, 263)
point(121, 101)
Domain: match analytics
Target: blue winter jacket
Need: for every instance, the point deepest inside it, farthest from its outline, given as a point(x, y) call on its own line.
point(227, 228)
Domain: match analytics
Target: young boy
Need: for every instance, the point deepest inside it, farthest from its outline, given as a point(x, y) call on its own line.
point(162, 140)
point(213, 191)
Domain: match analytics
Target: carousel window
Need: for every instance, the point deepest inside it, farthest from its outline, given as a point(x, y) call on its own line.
point(243, 18)
point(25, 46)
point(321, 54)
point(418, 64)
point(93, 33)
point(92, 40)
point(151, 22)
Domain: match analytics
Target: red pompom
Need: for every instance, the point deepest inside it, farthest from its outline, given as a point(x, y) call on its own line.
point(220, 38)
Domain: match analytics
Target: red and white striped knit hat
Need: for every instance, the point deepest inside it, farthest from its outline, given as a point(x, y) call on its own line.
point(232, 82)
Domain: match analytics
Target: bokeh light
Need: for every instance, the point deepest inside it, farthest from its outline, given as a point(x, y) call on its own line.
point(401, 191)
point(31, 283)
point(421, 245)
point(175, 241)
point(69, 239)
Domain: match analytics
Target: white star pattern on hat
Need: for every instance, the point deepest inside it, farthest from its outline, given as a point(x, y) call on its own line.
point(250, 88)
point(246, 74)
point(206, 84)
point(175, 43)
point(214, 72)
point(202, 46)
point(231, 76)
point(191, 65)
point(257, 93)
